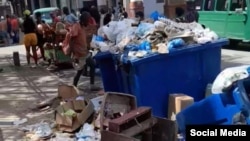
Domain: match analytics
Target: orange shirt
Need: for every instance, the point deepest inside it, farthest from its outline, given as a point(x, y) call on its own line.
point(79, 40)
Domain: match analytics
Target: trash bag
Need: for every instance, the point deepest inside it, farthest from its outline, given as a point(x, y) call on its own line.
point(124, 29)
point(145, 46)
point(98, 38)
point(144, 28)
point(174, 44)
point(155, 15)
point(109, 31)
point(95, 40)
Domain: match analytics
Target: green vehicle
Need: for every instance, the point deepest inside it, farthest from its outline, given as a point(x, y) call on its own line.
point(228, 18)
point(46, 13)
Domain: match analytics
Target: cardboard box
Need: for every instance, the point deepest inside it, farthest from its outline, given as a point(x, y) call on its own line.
point(178, 102)
point(67, 91)
point(83, 111)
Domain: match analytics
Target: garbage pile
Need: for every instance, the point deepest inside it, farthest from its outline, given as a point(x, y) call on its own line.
point(161, 36)
point(110, 117)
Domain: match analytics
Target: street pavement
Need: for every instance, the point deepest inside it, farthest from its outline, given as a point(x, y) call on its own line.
point(21, 88)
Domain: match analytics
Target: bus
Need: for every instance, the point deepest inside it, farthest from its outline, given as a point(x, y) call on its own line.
point(228, 18)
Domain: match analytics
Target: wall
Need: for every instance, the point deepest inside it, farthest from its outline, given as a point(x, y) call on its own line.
point(151, 5)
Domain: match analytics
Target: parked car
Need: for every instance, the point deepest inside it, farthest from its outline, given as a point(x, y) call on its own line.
point(46, 13)
point(228, 18)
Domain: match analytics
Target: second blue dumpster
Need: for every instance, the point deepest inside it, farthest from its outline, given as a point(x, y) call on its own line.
point(187, 70)
point(110, 72)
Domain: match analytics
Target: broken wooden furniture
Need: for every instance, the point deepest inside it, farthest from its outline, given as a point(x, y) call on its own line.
point(163, 130)
point(115, 105)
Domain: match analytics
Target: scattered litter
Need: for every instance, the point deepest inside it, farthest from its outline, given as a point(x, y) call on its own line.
point(97, 102)
point(40, 130)
point(87, 133)
point(19, 122)
point(80, 98)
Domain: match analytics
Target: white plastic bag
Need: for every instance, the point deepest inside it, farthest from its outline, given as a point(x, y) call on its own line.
point(103, 46)
point(227, 77)
point(159, 25)
point(109, 29)
point(144, 28)
point(93, 42)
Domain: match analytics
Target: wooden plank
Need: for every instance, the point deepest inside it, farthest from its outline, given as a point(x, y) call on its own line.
point(140, 128)
point(111, 136)
point(130, 119)
point(165, 130)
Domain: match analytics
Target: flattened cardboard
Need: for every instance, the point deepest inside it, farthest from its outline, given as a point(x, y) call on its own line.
point(79, 105)
point(70, 124)
point(178, 102)
point(67, 91)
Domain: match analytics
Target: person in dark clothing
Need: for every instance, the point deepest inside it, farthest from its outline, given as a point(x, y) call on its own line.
point(139, 15)
point(107, 19)
point(191, 15)
point(90, 62)
point(30, 38)
point(73, 12)
point(84, 9)
point(39, 34)
point(8, 20)
point(69, 17)
point(102, 11)
point(95, 14)
point(179, 12)
point(124, 13)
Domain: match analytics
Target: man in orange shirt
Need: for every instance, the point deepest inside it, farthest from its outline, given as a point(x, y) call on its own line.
point(14, 29)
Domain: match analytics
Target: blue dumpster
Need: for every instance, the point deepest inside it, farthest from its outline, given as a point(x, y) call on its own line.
point(110, 72)
point(217, 109)
point(187, 70)
point(241, 97)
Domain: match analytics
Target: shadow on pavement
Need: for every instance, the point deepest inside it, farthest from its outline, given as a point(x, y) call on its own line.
point(22, 88)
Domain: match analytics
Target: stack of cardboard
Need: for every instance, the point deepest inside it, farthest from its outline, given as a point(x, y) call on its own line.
point(80, 110)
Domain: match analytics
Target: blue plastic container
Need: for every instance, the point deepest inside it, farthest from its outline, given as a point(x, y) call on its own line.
point(241, 97)
point(187, 70)
point(216, 109)
point(111, 74)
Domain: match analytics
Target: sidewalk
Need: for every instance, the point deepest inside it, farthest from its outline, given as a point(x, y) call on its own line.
point(21, 88)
